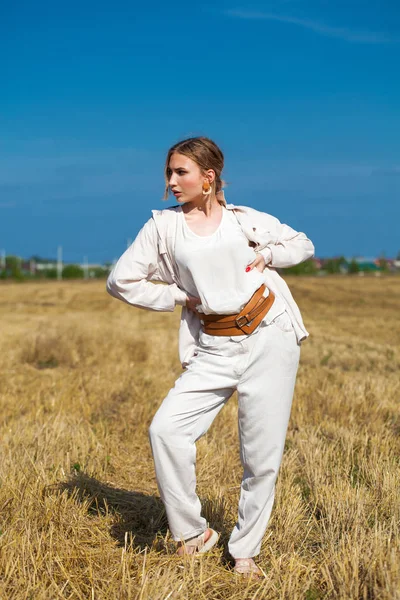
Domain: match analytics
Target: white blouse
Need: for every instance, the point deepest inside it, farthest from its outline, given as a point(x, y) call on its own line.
point(131, 279)
point(213, 267)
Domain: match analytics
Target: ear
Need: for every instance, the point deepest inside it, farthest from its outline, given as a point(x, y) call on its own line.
point(210, 175)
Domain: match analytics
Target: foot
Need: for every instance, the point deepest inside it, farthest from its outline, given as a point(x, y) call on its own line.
point(199, 544)
point(248, 568)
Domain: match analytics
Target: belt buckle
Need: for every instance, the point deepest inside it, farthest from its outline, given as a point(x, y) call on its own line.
point(241, 321)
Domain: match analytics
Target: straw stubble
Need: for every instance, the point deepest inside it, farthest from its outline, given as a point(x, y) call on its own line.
point(81, 378)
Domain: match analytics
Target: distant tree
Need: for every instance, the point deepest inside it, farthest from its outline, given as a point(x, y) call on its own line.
point(13, 268)
point(334, 265)
point(72, 272)
point(383, 264)
point(98, 272)
point(330, 266)
point(308, 267)
point(353, 266)
point(50, 273)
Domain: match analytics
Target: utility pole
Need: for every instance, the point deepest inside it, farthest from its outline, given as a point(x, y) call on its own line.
point(85, 267)
point(59, 262)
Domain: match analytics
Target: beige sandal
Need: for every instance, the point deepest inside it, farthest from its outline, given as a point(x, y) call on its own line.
point(198, 545)
point(247, 567)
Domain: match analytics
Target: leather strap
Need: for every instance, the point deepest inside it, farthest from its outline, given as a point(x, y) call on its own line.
point(244, 322)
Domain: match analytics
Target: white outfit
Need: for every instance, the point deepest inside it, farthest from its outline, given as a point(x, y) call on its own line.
point(261, 367)
point(151, 257)
point(213, 267)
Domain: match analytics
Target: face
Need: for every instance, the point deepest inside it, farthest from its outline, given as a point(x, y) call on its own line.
point(186, 179)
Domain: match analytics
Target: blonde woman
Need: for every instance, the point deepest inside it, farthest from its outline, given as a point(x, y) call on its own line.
point(240, 330)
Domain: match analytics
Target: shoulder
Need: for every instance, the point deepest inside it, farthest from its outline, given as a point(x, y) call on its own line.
point(254, 215)
point(166, 212)
point(165, 218)
point(248, 210)
point(164, 222)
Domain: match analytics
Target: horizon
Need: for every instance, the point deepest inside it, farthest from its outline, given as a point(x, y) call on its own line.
point(53, 260)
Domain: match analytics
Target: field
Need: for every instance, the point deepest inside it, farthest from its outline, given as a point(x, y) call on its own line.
point(80, 516)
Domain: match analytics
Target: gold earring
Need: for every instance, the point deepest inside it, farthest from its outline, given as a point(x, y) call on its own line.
point(206, 188)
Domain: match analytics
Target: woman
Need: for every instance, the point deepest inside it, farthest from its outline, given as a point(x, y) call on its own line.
point(240, 330)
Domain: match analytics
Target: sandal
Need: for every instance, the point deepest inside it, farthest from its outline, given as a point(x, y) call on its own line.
point(247, 567)
point(198, 545)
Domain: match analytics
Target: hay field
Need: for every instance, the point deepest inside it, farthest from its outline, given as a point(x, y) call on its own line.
point(82, 374)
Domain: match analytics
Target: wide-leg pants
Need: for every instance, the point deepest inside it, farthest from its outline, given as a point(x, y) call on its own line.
point(262, 368)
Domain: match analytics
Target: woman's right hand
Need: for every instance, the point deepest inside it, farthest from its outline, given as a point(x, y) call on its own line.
point(192, 302)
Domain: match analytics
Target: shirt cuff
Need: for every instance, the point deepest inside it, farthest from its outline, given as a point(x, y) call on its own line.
point(266, 254)
point(179, 295)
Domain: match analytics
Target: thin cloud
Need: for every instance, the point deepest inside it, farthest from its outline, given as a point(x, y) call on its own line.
point(350, 35)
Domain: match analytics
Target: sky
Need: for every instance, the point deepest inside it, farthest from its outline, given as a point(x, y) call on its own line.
point(302, 97)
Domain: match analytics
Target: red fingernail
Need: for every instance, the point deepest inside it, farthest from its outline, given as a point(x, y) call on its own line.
point(247, 269)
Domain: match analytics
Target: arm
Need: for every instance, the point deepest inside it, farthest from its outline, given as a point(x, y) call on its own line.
point(287, 246)
point(128, 280)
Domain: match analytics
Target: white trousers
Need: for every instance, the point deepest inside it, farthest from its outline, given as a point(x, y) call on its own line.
point(262, 368)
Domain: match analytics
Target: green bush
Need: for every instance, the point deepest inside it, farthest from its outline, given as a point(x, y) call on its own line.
point(307, 267)
point(72, 272)
point(98, 272)
point(354, 267)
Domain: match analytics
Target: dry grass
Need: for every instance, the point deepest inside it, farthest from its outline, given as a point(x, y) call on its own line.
point(81, 377)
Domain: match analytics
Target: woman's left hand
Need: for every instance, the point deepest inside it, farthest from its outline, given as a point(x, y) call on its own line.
point(258, 263)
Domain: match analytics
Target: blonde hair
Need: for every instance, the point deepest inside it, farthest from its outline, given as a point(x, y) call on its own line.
point(206, 154)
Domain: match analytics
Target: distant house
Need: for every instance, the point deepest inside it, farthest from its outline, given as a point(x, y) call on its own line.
point(365, 264)
point(317, 262)
point(395, 264)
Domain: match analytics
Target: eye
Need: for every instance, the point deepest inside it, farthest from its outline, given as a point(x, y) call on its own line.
point(181, 171)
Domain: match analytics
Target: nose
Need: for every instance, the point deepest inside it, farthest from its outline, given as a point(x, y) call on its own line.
point(172, 180)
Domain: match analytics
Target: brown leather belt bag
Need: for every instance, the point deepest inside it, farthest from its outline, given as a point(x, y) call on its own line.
point(246, 321)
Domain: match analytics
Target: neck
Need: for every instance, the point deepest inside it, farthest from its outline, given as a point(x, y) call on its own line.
point(205, 204)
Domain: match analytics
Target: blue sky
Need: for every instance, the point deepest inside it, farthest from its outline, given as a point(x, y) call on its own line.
point(303, 98)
